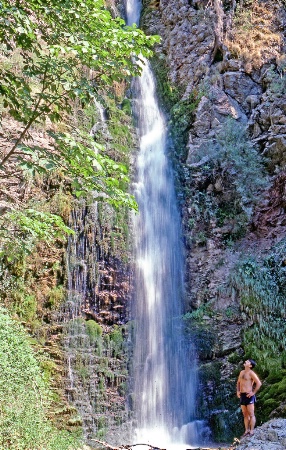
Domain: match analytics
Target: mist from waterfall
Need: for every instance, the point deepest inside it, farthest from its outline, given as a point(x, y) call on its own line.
point(164, 369)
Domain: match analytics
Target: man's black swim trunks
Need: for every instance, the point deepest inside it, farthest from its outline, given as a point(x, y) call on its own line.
point(244, 400)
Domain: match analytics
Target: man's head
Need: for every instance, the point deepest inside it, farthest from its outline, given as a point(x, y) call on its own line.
point(250, 363)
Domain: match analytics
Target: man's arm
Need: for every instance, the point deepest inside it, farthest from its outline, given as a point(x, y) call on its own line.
point(238, 386)
point(257, 382)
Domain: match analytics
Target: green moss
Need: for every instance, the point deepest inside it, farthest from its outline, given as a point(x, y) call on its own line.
point(126, 106)
point(94, 330)
point(272, 395)
point(116, 341)
point(234, 358)
point(123, 389)
point(120, 125)
point(83, 373)
point(55, 297)
point(260, 284)
point(211, 372)
point(168, 93)
point(203, 310)
point(48, 368)
point(182, 115)
point(25, 305)
point(114, 231)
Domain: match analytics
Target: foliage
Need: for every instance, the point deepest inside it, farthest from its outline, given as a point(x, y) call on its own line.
point(168, 93)
point(119, 124)
point(272, 396)
point(27, 227)
point(277, 78)
point(182, 116)
point(66, 53)
point(55, 297)
point(24, 396)
point(203, 310)
point(240, 163)
point(261, 288)
point(116, 341)
point(30, 272)
point(89, 170)
point(57, 39)
point(224, 181)
point(202, 338)
point(94, 330)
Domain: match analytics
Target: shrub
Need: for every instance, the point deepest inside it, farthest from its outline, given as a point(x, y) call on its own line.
point(94, 332)
point(24, 395)
point(261, 288)
point(240, 164)
point(116, 341)
point(226, 178)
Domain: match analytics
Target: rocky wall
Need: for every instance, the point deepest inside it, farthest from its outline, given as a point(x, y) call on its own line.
point(220, 69)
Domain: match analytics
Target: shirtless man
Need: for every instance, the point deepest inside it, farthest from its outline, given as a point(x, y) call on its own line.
point(248, 384)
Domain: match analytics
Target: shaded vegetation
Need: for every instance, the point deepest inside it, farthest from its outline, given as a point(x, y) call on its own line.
point(24, 395)
point(260, 285)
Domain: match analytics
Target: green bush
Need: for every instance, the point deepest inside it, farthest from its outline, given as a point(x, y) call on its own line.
point(55, 297)
point(94, 330)
point(261, 287)
point(116, 341)
point(224, 180)
point(237, 157)
point(260, 284)
point(24, 396)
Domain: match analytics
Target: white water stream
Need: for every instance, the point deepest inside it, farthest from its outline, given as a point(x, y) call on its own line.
point(164, 369)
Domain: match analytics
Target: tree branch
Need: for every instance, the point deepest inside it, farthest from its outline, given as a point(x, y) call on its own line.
point(34, 116)
point(32, 119)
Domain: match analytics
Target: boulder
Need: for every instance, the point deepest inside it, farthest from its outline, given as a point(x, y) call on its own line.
point(269, 436)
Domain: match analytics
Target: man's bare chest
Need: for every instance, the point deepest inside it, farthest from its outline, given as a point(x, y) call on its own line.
point(245, 376)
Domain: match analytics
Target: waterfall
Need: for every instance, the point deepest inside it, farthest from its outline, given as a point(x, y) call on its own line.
point(164, 369)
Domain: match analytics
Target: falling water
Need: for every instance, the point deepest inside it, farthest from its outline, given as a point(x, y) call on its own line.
point(164, 370)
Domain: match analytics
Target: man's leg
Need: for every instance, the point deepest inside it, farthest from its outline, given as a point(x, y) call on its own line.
point(251, 415)
point(246, 417)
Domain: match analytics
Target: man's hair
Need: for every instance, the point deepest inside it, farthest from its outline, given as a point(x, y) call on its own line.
point(252, 362)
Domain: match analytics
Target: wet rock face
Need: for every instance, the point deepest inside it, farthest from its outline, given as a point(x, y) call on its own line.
point(98, 279)
point(270, 436)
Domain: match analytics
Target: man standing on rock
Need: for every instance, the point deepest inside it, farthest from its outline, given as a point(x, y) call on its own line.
point(248, 384)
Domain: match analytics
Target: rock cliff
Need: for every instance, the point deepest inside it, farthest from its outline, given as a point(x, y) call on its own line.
point(221, 79)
